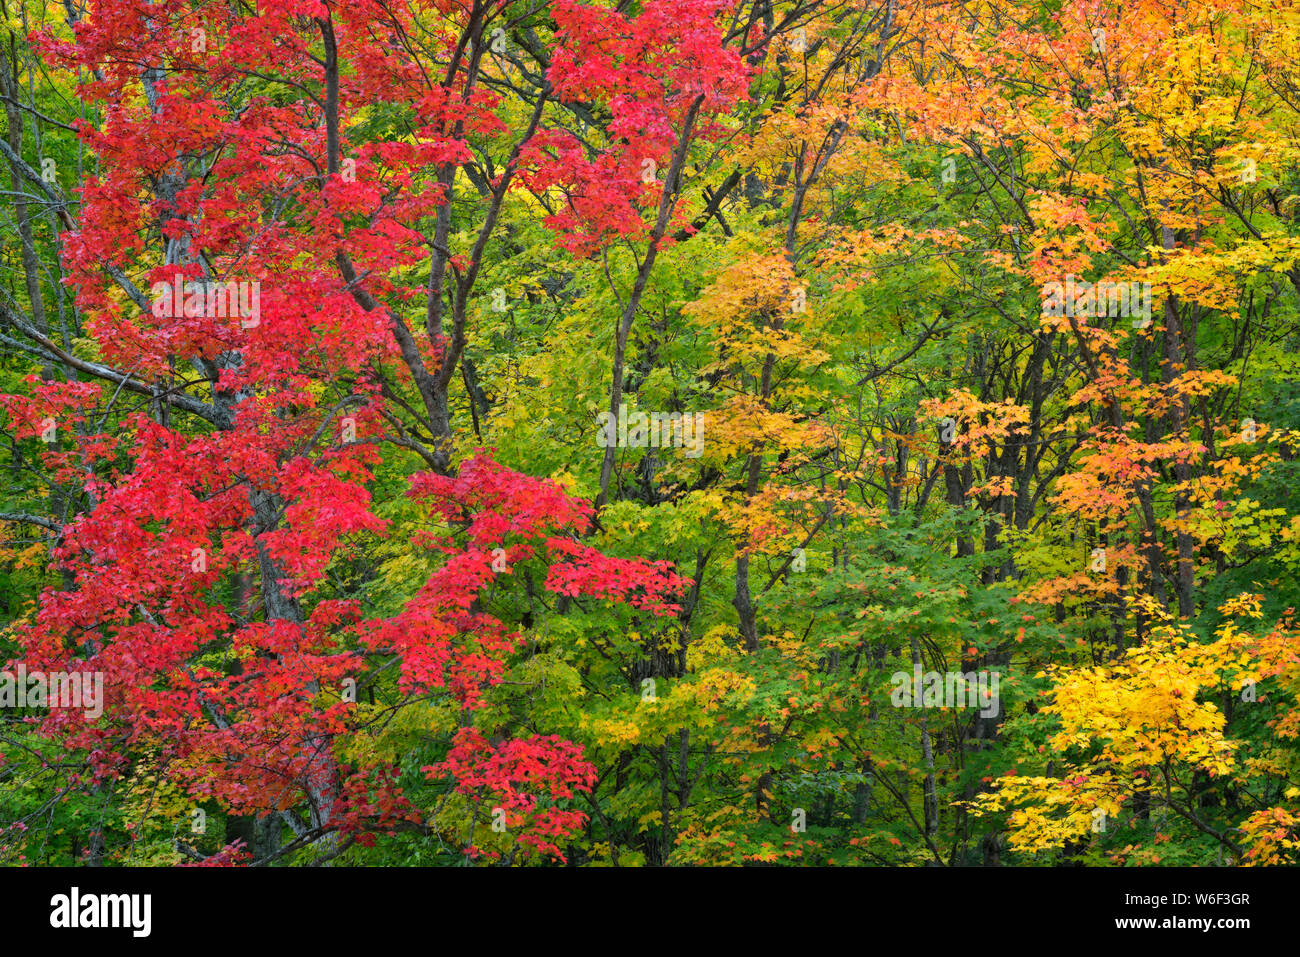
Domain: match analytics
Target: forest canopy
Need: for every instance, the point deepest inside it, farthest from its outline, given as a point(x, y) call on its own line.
point(650, 432)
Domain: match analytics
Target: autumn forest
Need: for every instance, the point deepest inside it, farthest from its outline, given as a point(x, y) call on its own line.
point(622, 433)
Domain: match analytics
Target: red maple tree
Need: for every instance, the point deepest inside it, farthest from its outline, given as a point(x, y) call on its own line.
point(238, 256)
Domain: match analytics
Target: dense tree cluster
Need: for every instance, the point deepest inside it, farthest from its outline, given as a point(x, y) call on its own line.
point(650, 432)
